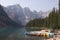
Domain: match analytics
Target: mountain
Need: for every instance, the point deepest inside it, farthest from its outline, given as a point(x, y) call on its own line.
point(44, 14)
point(23, 15)
point(31, 14)
point(15, 12)
point(28, 12)
point(36, 14)
point(5, 21)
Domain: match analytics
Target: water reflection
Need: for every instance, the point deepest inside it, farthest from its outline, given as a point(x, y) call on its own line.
point(12, 33)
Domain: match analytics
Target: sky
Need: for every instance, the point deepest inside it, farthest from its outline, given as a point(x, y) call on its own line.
point(39, 5)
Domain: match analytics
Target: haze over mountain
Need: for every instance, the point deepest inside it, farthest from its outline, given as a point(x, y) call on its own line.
point(23, 15)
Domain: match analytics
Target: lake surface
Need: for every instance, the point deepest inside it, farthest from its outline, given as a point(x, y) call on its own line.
point(12, 32)
point(16, 34)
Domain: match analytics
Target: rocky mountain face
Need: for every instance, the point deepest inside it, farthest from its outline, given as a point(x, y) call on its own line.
point(5, 21)
point(23, 15)
point(15, 12)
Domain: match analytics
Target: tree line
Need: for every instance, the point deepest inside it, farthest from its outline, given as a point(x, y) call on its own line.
point(52, 21)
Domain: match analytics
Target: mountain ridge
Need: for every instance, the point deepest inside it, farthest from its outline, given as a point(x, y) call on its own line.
point(5, 20)
point(17, 13)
